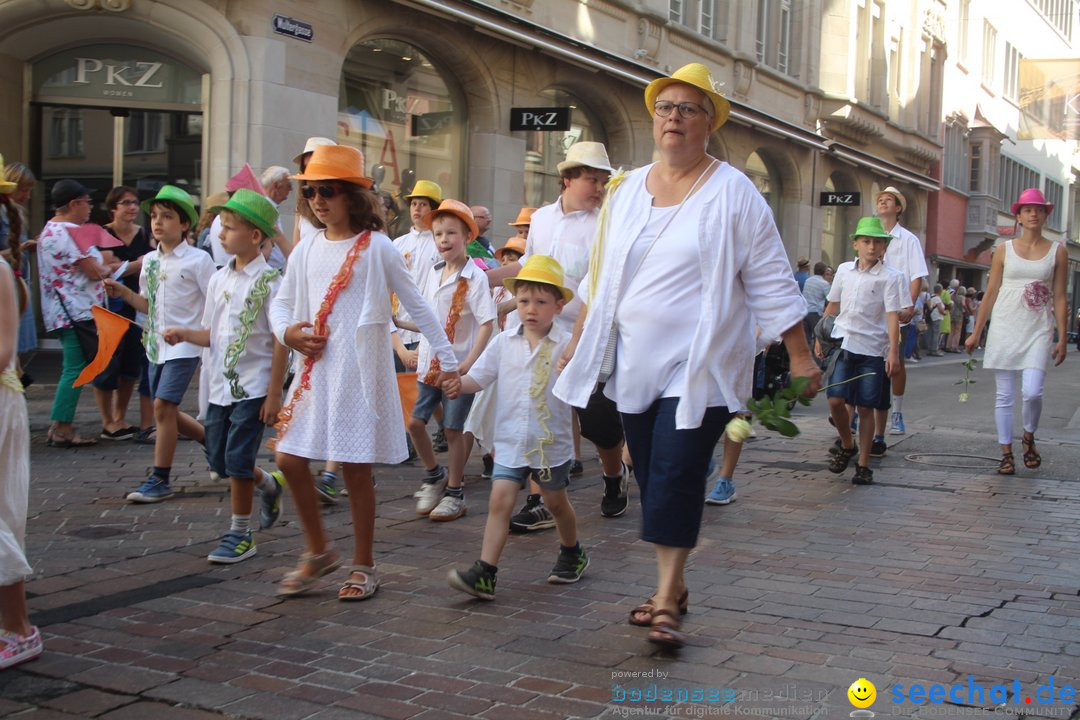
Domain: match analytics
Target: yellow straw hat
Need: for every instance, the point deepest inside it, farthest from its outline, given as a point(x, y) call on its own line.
point(541, 269)
point(6, 188)
point(426, 189)
point(695, 75)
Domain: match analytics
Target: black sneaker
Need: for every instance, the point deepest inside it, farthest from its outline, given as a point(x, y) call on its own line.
point(476, 581)
point(841, 459)
point(489, 466)
point(878, 448)
point(615, 499)
point(438, 441)
point(863, 476)
point(576, 468)
point(534, 516)
point(569, 567)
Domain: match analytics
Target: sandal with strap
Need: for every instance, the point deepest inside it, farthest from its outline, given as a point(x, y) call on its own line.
point(647, 608)
point(362, 578)
point(664, 630)
point(840, 460)
point(1007, 466)
point(307, 573)
point(1032, 458)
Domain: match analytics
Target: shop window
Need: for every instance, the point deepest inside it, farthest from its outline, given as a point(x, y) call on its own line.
point(398, 109)
point(545, 150)
point(145, 132)
point(835, 221)
point(766, 180)
point(65, 133)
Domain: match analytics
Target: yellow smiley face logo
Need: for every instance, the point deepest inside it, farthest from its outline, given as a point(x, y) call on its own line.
point(862, 693)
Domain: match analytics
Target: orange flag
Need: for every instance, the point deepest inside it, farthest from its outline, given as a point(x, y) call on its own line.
point(110, 329)
point(407, 390)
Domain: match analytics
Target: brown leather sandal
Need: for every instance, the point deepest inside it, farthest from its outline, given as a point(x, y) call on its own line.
point(1032, 459)
point(647, 608)
point(664, 630)
point(1007, 466)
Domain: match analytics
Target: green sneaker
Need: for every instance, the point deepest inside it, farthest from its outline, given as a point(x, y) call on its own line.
point(270, 503)
point(475, 581)
point(326, 487)
point(234, 547)
point(569, 567)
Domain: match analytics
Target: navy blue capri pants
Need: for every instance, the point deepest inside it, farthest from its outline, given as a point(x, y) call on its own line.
point(670, 467)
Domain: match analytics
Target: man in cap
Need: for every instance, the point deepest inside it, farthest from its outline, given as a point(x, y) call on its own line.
point(802, 272)
point(564, 230)
point(905, 253)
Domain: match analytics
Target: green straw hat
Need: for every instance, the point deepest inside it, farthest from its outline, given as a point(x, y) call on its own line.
point(871, 227)
point(254, 208)
point(174, 195)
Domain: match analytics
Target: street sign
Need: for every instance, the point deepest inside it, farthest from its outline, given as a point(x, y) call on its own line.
point(540, 119)
point(839, 198)
point(284, 25)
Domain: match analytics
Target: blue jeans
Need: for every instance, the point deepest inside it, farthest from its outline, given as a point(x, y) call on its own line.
point(670, 467)
point(873, 391)
point(454, 411)
point(233, 435)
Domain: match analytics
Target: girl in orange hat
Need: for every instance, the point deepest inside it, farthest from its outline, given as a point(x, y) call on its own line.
point(333, 308)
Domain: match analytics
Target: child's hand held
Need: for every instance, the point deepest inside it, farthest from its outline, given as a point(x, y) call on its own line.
point(173, 335)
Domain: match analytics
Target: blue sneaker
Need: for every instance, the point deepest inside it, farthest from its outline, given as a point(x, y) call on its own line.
point(326, 487)
point(854, 422)
point(235, 546)
point(723, 493)
point(153, 490)
point(896, 427)
point(270, 502)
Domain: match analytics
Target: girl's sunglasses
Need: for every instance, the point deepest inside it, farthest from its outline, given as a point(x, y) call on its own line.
point(326, 191)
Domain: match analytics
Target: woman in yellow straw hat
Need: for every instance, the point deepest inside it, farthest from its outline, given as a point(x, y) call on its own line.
point(686, 261)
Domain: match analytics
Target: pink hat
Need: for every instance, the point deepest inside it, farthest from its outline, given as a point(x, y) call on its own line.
point(244, 179)
point(1031, 196)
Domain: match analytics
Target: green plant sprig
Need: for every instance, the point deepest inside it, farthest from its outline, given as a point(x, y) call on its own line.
point(967, 380)
point(774, 413)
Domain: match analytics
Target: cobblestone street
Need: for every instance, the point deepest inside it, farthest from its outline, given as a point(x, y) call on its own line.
point(801, 587)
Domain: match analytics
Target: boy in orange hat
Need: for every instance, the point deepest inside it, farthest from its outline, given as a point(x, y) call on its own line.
point(522, 363)
point(459, 292)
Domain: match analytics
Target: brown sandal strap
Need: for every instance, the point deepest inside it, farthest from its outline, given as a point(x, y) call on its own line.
point(1007, 466)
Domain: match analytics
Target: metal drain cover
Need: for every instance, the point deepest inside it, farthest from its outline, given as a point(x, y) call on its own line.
point(954, 460)
point(98, 532)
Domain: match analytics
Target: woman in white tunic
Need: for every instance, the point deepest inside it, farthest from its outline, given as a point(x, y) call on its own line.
point(333, 308)
point(685, 256)
point(1026, 297)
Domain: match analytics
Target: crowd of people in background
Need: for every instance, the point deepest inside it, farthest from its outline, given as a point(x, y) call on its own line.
point(635, 310)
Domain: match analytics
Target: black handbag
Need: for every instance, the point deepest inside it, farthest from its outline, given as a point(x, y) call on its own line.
point(85, 332)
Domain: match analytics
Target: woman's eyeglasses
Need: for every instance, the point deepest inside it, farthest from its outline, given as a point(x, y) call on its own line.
point(687, 110)
point(326, 191)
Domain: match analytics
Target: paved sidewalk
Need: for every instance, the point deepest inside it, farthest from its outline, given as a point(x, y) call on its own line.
point(798, 589)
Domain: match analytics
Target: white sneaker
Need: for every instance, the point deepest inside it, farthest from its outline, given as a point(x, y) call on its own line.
point(450, 508)
point(428, 496)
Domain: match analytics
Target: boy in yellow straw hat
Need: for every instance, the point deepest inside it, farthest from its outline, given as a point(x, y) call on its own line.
point(245, 367)
point(523, 363)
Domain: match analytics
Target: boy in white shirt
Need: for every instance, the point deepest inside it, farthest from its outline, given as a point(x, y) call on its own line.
point(172, 291)
point(247, 368)
point(458, 290)
point(868, 295)
point(534, 432)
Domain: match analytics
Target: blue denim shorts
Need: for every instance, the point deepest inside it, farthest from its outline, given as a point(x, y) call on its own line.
point(455, 411)
point(233, 436)
point(559, 479)
point(872, 392)
point(169, 380)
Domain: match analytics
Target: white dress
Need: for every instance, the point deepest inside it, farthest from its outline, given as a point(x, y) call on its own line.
point(1021, 333)
point(14, 463)
point(352, 412)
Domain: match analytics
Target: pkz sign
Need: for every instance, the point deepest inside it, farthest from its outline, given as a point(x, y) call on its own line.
point(541, 119)
point(293, 28)
point(838, 198)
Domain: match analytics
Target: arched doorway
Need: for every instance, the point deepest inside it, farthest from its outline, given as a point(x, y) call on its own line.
point(837, 223)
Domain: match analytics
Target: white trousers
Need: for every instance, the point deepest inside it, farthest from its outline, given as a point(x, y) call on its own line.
point(1031, 396)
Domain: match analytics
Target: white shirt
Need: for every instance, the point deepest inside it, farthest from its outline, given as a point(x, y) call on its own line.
point(183, 277)
point(222, 258)
point(905, 253)
point(418, 249)
point(518, 428)
point(746, 281)
point(658, 311)
point(865, 296)
point(567, 237)
point(478, 310)
point(225, 299)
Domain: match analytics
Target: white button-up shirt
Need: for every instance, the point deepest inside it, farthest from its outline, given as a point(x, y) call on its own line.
point(905, 253)
point(865, 297)
point(225, 300)
point(518, 428)
point(567, 237)
point(478, 310)
point(183, 277)
point(418, 249)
